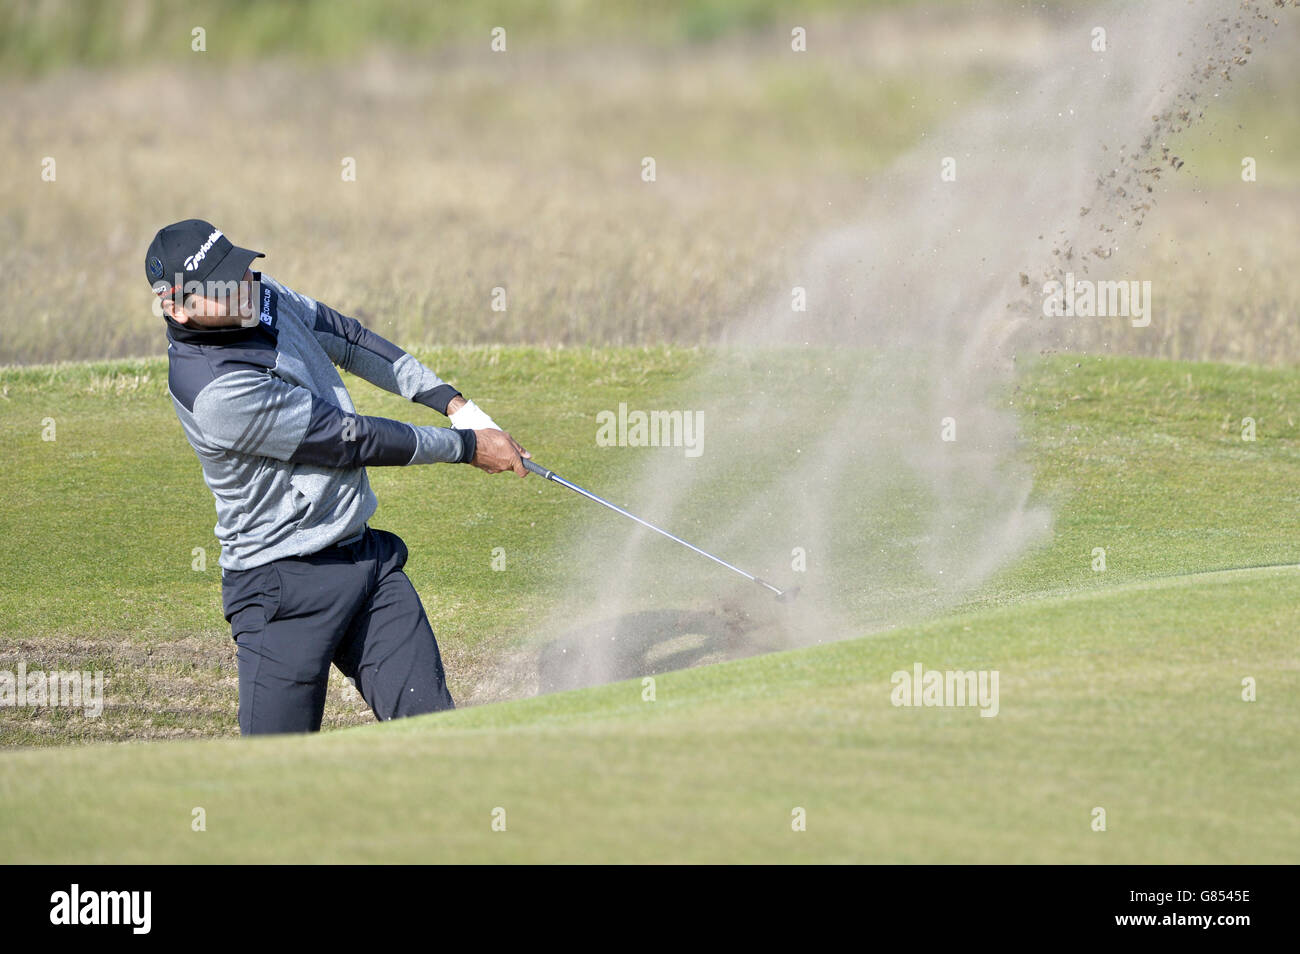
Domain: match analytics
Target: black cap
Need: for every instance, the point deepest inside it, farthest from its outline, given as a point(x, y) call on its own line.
point(194, 251)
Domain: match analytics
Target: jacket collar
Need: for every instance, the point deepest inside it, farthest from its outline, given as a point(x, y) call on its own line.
point(192, 334)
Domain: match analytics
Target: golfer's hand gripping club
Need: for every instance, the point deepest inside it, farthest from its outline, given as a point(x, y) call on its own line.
point(496, 451)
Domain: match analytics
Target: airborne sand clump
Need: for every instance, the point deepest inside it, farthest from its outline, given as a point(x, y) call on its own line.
point(866, 448)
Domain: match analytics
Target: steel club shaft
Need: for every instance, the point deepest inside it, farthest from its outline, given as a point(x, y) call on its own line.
point(543, 472)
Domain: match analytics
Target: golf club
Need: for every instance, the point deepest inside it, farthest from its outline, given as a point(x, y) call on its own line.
point(783, 596)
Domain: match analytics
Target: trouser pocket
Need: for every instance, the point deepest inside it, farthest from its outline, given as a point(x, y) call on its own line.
point(244, 589)
point(393, 551)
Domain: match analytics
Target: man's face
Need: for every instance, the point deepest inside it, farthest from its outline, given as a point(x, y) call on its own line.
point(226, 307)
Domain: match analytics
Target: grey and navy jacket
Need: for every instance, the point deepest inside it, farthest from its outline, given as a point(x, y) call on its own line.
point(283, 450)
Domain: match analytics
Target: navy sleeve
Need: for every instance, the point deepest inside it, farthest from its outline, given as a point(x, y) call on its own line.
point(355, 348)
point(253, 412)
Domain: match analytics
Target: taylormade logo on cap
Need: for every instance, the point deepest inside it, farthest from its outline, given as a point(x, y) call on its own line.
point(196, 257)
point(192, 262)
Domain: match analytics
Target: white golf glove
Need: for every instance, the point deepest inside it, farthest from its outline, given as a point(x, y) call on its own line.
point(471, 417)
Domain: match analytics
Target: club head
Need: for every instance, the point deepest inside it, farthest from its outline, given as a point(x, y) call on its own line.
point(787, 596)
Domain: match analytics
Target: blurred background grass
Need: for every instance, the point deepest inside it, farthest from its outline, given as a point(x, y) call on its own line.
point(42, 35)
point(522, 169)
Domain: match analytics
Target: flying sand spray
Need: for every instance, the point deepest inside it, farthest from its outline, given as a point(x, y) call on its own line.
point(924, 306)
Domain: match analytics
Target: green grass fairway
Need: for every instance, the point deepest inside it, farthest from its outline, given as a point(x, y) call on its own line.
point(1126, 699)
point(1120, 690)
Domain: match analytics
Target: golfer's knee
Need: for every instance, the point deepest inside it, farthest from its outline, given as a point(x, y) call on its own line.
point(422, 700)
point(282, 711)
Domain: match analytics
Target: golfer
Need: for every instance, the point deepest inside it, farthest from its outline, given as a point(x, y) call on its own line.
point(305, 580)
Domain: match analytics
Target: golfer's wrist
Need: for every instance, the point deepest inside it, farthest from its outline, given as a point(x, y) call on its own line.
point(469, 446)
point(455, 404)
point(470, 415)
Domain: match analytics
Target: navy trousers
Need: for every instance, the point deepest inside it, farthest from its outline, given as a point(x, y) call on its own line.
point(350, 605)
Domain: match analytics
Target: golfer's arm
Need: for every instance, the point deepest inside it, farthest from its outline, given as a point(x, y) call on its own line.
point(256, 413)
point(355, 348)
